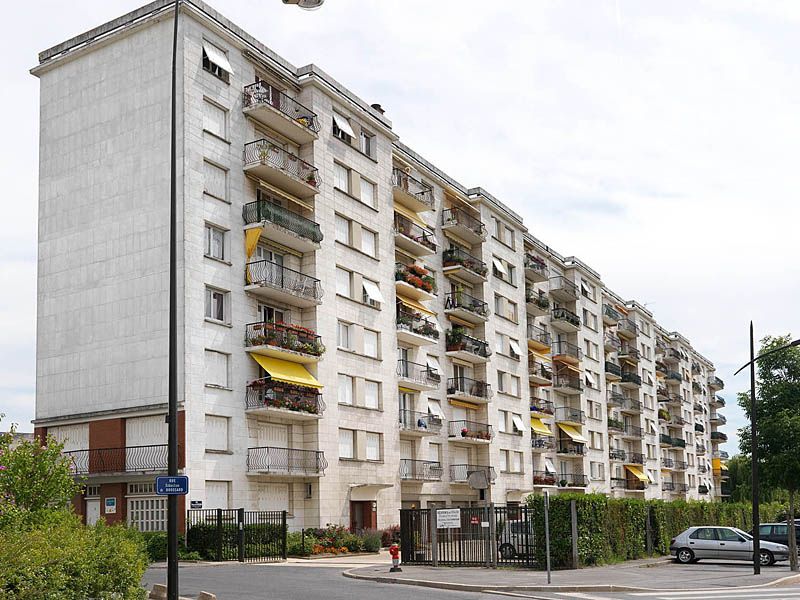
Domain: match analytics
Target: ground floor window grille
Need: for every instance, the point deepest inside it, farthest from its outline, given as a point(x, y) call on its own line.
point(148, 514)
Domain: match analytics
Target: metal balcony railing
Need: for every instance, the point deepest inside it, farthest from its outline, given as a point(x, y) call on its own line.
point(418, 421)
point(667, 463)
point(636, 458)
point(620, 483)
point(130, 459)
point(263, 93)
point(271, 393)
point(456, 216)
point(718, 436)
point(612, 341)
point(455, 256)
point(458, 341)
point(719, 401)
point(562, 314)
point(716, 382)
point(421, 191)
point(570, 447)
point(627, 325)
point(613, 369)
point(634, 431)
point(702, 489)
point(680, 465)
point(615, 398)
point(626, 351)
point(699, 428)
point(263, 210)
point(420, 470)
point(628, 377)
point(562, 348)
point(568, 381)
point(283, 335)
point(416, 276)
point(611, 313)
point(674, 376)
point(661, 367)
point(700, 449)
point(469, 430)
point(267, 153)
point(544, 478)
point(414, 323)
point(539, 334)
point(718, 418)
point(534, 263)
point(462, 472)
point(537, 368)
point(413, 231)
point(667, 486)
point(542, 442)
point(572, 480)
point(469, 387)
point(663, 438)
point(573, 415)
point(561, 283)
point(537, 298)
point(421, 374)
point(542, 406)
point(617, 454)
point(464, 301)
point(615, 424)
point(678, 443)
point(268, 273)
point(681, 488)
point(285, 461)
point(702, 469)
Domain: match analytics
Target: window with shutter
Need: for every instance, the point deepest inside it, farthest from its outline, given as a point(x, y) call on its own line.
point(373, 446)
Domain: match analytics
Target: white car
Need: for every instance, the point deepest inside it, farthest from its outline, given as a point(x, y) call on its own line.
point(726, 543)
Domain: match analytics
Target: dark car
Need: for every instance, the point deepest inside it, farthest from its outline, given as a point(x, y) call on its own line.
point(778, 533)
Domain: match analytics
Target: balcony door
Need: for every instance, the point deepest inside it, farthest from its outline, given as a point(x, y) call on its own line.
point(145, 443)
point(270, 314)
point(406, 449)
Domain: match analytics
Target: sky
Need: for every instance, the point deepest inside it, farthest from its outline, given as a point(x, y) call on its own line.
point(656, 141)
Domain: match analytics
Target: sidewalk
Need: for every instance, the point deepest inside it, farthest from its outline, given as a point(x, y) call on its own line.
point(632, 576)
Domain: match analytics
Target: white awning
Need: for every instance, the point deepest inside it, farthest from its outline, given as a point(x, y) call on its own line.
point(435, 408)
point(585, 289)
point(517, 421)
point(217, 56)
point(649, 379)
point(432, 362)
point(498, 264)
point(653, 429)
point(343, 124)
point(590, 378)
point(515, 347)
point(549, 467)
point(372, 291)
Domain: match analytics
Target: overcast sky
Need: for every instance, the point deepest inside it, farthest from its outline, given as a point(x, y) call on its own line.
point(656, 141)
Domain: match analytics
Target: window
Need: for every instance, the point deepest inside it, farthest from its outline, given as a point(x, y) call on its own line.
point(341, 177)
point(373, 446)
point(596, 440)
point(344, 335)
point(503, 270)
point(515, 350)
point(342, 129)
point(215, 119)
point(347, 443)
point(148, 514)
point(216, 433)
point(371, 394)
point(435, 408)
point(216, 494)
point(343, 229)
point(595, 410)
point(345, 389)
point(344, 282)
point(215, 304)
point(435, 452)
point(215, 61)
point(216, 367)
point(501, 422)
point(590, 320)
point(511, 311)
point(499, 343)
point(215, 181)
point(591, 380)
point(366, 143)
point(508, 238)
point(504, 460)
point(597, 470)
point(369, 242)
point(513, 385)
point(371, 343)
point(517, 425)
point(516, 462)
point(368, 193)
point(215, 242)
point(501, 381)
point(371, 293)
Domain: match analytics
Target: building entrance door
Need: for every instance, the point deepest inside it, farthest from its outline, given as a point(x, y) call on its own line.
point(92, 511)
point(363, 515)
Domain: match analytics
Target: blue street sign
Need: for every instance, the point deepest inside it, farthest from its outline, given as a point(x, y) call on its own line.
point(172, 486)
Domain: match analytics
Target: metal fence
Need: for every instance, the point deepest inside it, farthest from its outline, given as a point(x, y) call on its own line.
point(236, 534)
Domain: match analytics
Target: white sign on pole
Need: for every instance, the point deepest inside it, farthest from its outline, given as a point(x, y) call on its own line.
point(448, 518)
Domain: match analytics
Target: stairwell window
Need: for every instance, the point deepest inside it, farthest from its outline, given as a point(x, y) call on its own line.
point(366, 143)
point(342, 128)
point(215, 242)
point(216, 305)
point(215, 61)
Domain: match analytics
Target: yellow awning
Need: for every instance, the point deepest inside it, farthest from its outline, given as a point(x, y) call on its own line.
point(637, 472)
point(539, 427)
point(573, 433)
point(408, 390)
point(462, 404)
point(715, 463)
point(461, 322)
point(251, 240)
point(543, 357)
point(410, 214)
point(416, 305)
point(288, 372)
point(568, 367)
point(723, 466)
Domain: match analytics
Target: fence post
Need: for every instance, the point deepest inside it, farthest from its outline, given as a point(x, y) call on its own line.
point(434, 537)
point(285, 533)
point(487, 544)
point(573, 509)
point(240, 519)
point(492, 535)
point(219, 534)
point(648, 534)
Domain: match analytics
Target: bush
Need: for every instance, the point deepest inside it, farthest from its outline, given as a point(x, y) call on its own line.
point(390, 535)
point(371, 541)
point(156, 545)
point(352, 542)
point(299, 544)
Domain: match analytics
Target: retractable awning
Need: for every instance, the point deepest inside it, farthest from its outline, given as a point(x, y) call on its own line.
point(515, 347)
point(539, 427)
point(373, 291)
point(411, 215)
point(408, 302)
point(637, 472)
point(216, 56)
point(517, 421)
point(498, 264)
point(288, 372)
point(549, 467)
point(573, 433)
point(343, 124)
point(462, 404)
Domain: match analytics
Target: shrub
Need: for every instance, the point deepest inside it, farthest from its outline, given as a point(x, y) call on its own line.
point(298, 544)
point(371, 541)
point(390, 535)
point(352, 542)
point(156, 545)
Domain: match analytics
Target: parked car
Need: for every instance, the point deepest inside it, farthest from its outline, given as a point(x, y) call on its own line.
point(516, 539)
point(727, 543)
point(778, 533)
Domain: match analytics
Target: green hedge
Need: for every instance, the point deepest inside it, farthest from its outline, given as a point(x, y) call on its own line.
point(615, 529)
point(202, 538)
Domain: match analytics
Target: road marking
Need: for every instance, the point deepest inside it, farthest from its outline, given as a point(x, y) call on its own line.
point(581, 596)
point(733, 595)
point(731, 592)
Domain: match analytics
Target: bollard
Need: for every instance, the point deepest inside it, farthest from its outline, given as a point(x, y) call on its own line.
point(394, 552)
point(159, 592)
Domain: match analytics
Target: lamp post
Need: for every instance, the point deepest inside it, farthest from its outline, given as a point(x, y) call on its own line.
point(754, 442)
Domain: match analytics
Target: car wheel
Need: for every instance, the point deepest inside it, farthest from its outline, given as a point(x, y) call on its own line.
point(684, 556)
point(507, 551)
point(767, 558)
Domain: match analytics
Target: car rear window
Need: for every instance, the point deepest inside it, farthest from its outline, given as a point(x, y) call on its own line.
point(704, 533)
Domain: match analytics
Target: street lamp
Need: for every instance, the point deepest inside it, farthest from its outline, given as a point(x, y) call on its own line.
point(305, 4)
point(754, 442)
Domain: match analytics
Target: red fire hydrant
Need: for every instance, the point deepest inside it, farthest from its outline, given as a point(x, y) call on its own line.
point(394, 552)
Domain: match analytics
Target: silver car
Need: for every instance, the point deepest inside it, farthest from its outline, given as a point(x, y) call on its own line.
point(726, 543)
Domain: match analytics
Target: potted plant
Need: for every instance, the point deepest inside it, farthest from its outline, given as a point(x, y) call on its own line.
point(455, 339)
point(464, 432)
point(311, 179)
point(562, 483)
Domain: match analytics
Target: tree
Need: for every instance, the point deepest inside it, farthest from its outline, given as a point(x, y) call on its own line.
point(740, 483)
point(778, 406)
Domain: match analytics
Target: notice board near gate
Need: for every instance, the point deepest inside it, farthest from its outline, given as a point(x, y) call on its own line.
point(448, 518)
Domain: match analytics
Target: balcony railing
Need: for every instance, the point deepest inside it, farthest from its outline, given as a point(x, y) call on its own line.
point(413, 231)
point(456, 216)
point(416, 276)
point(615, 398)
point(572, 415)
point(611, 313)
point(542, 442)
point(458, 341)
point(271, 393)
point(537, 298)
point(719, 401)
point(562, 314)
point(570, 447)
point(534, 263)
point(572, 480)
point(617, 454)
point(562, 348)
point(262, 210)
point(611, 341)
point(628, 352)
point(421, 191)
point(674, 376)
point(539, 335)
point(664, 439)
point(702, 469)
point(461, 473)
point(621, 483)
point(721, 454)
point(457, 257)
point(564, 285)
point(285, 461)
point(544, 478)
point(417, 324)
point(469, 387)
point(678, 443)
point(418, 421)
point(131, 459)
point(678, 420)
point(267, 153)
point(681, 488)
point(268, 273)
point(699, 428)
point(718, 436)
point(634, 378)
point(615, 424)
point(632, 405)
point(466, 302)
point(700, 449)
point(661, 367)
point(568, 381)
point(636, 458)
point(680, 465)
point(421, 374)
point(420, 470)
point(469, 430)
point(667, 486)
point(715, 382)
point(544, 407)
point(263, 93)
point(702, 489)
point(613, 369)
point(539, 369)
point(718, 418)
point(285, 336)
point(628, 326)
point(634, 431)
point(667, 463)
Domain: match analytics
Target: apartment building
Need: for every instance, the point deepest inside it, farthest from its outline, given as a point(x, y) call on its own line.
point(360, 332)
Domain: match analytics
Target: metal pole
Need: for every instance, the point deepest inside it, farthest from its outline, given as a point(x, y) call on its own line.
point(172, 418)
point(547, 532)
point(754, 452)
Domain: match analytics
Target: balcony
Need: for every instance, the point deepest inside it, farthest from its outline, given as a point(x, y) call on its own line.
point(613, 371)
point(702, 489)
point(717, 418)
point(417, 377)
point(615, 399)
point(568, 384)
point(536, 302)
point(572, 480)
point(715, 383)
point(636, 458)
point(410, 192)
point(283, 226)
point(566, 352)
point(541, 408)
point(663, 415)
point(285, 462)
point(463, 225)
point(131, 459)
point(627, 328)
point(413, 237)
point(672, 356)
point(416, 330)
point(633, 432)
point(565, 320)
point(469, 390)
point(461, 473)
point(629, 353)
point(420, 470)
point(667, 463)
point(611, 343)
point(697, 388)
point(611, 316)
point(542, 443)
point(463, 265)
point(661, 368)
point(563, 289)
point(699, 428)
point(681, 488)
point(465, 347)
point(631, 485)
point(661, 347)
point(680, 465)
point(717, 402)
point(630, 380)
point(678, 421)
point(570, 416)
point(414, 281)
point(617, 454)
point(272, 397)
point(535, 268)
point(698, 407)
point(273, 281)
point(539, 373)
point(284, 341)
point(570, 448)
point(667, 486)
point(700, 449)
point(674, 378)
point(269, 162)
point(279, 112)
point(677, 442)
point(717, 437)
point(465, 307)
point(615, 425)
point(538, 338)
point(721, 454)
point(419, 423)
point(664, 440)
point(702, 469)
point(544, 479)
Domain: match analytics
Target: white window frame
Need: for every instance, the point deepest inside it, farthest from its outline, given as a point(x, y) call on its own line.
point(345, 444)
point(344, 383)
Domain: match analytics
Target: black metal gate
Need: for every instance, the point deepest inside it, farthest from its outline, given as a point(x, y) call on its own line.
point(485, 536)
point(236, 534)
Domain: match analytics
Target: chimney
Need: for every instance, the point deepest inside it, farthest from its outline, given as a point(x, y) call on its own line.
point(379, 108)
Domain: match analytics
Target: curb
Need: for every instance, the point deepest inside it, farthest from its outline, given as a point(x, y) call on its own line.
point(464, 587)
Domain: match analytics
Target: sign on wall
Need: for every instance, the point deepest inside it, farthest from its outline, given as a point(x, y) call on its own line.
point(196, 504)
point(177, 485)
point(110, 506)
point(448, 518)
